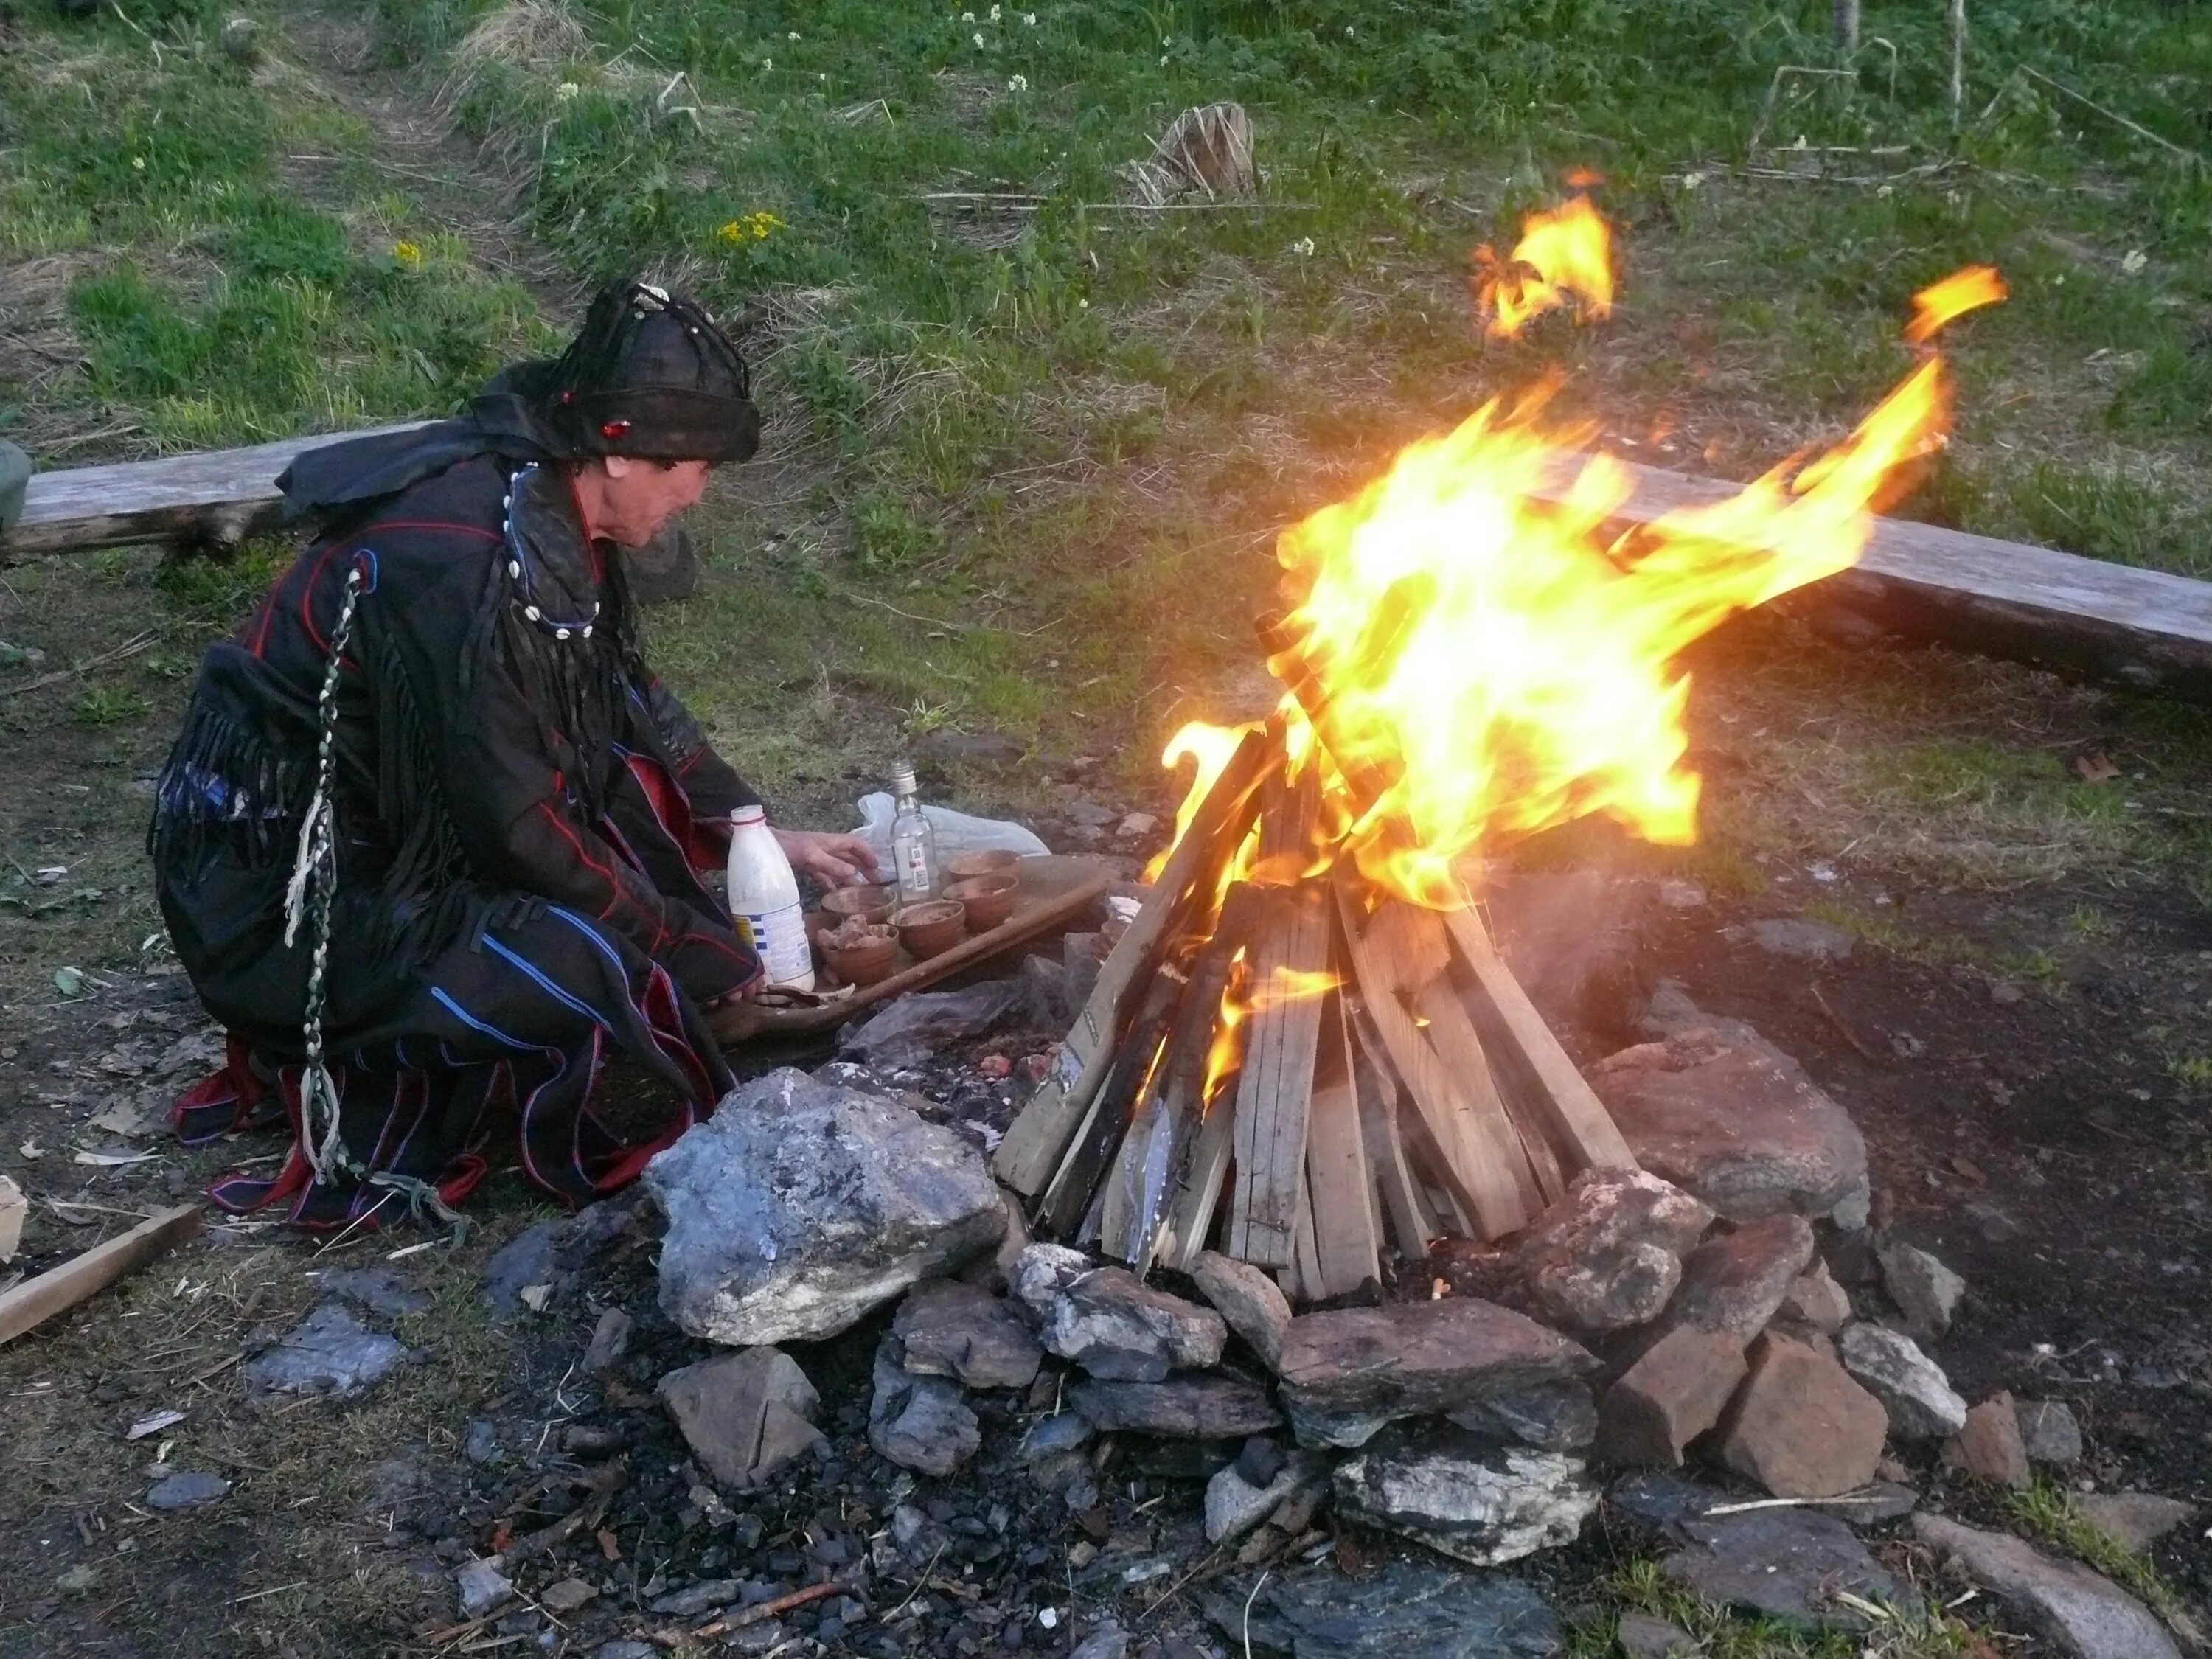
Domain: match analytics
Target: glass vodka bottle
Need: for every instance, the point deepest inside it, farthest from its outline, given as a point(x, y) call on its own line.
point(913, 847)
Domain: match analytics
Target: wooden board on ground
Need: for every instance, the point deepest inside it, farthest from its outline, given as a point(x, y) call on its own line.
point(218, 497)
point(1053, 891)
point(2142, 628)
point(59, 1289)
point(1030, 1153)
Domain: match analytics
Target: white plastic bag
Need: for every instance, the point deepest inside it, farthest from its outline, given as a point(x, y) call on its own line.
point(954, 832)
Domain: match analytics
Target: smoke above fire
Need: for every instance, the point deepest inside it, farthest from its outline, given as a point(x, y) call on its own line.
point(1473, 655)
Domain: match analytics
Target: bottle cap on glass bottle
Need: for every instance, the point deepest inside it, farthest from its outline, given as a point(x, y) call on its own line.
point(902, 781)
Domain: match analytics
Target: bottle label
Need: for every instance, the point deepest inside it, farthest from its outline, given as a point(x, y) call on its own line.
point(915, 874)
point(778, 938)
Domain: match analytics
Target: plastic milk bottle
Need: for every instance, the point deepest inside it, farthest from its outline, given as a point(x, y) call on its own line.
point(764, 902)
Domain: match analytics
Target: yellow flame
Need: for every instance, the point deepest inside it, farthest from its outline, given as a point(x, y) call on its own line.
point(1226, 1052)
point(1566, 251)
point(1208, 749)
point(1287, 985)
point(1960, 292)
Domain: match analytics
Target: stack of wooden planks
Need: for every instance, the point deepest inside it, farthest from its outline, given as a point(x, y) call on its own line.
point(1299, 1065)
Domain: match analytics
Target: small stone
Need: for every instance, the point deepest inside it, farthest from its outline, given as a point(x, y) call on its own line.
point(1919, 1398)
point(1735, 1283)
point(1786, 1565)
point(1678, 895)
point(1730, 1119)
point(609, 1343)
point(565, 1595)
point(1481, 1504)
point(188, 1489)
point(1802, 940)
point(379, 1290)
point(799, 1206)
point(1041, 1272)
point(2079, 1612)
point(1675, 1392)
point(2049, 1432)
point(1404, 1609)
point(1799, 1427)
point(695, 1599)
point(1109, 1641)
point(1055, 1436)
point(909, 1029)
point(1559, 1416)
point(746, 1415)
point(1643, 1636)
point(1608, 1254)
point(920, 1423)
point(481, 1444)
point(1234, 1505)
point(482, 1588)
point(1119, 1329)
point(1661, 1501)
point(624, 1648)
point(2134, 1519)
point(1926, 1292)
point(1416, 1357)
point(1137, 826)
point(331, 1352)
point(1990, 1445)
point(1815, 1299)
point(952, 1329)
point(1215, 1407)
point(1250, 1301)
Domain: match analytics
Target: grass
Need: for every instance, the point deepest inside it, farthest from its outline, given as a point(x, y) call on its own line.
point(1642, 1587)
point(2045, 1511)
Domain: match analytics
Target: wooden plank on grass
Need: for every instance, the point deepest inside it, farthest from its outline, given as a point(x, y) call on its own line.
point(1478, 1157)
point(1037, 1140)
point(1574, 1113)
point(1289, 972)
point(217, 496)
point(58, 1289)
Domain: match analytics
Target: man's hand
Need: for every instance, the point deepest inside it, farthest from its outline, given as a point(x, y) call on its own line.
point(833, 859)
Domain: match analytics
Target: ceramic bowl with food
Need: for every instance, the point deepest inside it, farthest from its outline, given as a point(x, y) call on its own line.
point(988, 899)
point(931, 928)
point(869, 903)
point(970, 866)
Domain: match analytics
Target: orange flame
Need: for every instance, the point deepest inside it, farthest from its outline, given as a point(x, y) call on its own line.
point(1208, 749)
point(1566, 251)
point(1287, 985)
point(1961, 291)
point(1227, 1050)
point(1488, 658)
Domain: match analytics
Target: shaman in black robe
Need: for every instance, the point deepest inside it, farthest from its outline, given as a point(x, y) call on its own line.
point(519, 815)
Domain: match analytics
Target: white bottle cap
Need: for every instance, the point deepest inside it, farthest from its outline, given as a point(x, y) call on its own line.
point(745, 815)
point(902, 781)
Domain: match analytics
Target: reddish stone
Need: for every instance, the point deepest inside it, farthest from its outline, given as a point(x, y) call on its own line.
point(1799, 1427)
point(1990, 1444)
point(1669, 1397)
point(995, 1066)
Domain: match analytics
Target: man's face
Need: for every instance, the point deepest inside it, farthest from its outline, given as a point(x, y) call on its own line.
point(639, 496)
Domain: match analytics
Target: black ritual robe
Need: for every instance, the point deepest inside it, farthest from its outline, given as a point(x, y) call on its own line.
point(521, 816)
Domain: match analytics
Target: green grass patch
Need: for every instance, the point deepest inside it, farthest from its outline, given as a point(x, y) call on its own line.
point(2045, 1511)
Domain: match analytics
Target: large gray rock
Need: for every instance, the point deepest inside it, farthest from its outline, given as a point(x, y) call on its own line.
point(1473, 1500)
point(919, 1423)
point(1041, 1272)
point(952, 1329)
point(1418, 1358)
point(1411, 1609)
point(1253, 1303)
point(1115, 1327)
point(1786, 1565)
point(1559, 1416)
point(2077, 1611)
point(1608, 1254)
point(330, 1352)
point(1234, 1505)
point(1736, 1122)
point(1923, 1405)
point(2049, 1432)
point(800, 1206)
point(746, 1416)
point(2134, 1519)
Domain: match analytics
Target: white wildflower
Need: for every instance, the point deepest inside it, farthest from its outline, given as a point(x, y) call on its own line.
point(966, 16)
point(793, 35)
point(1083, 305)
point(766, 63)
point(1019, 83)
point(2136, 261)
point(1692, 180)
point(1164, 61)
point(994, 14)
point(1303, 247)
point(566, 90)
point(978, 39)
point(1347, 32)
point(1029, 17)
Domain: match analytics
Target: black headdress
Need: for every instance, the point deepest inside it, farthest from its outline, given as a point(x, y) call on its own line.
point(648, 375)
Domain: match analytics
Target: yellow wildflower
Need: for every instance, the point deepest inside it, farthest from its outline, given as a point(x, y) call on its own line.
point(407, 256)
point(752, 228)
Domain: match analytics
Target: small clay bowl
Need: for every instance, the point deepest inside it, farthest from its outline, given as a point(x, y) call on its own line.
point(931, 928)
point(989, 900)
point(863, 963)
point(871, 903)
point(969, 866)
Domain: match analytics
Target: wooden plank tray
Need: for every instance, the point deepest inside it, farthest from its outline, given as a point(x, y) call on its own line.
point(1053, 891)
